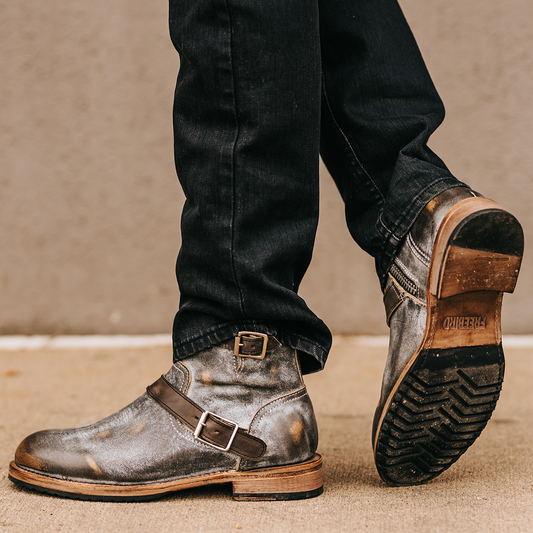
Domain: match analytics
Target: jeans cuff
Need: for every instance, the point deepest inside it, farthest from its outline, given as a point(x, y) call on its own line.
point(313, 354)
point(394, 239)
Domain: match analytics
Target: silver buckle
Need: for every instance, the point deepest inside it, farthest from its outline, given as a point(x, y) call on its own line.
point(238, 344)
point(201, 425)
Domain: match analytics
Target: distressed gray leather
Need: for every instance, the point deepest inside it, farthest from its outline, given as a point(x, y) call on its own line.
point(409, 274)
point(288, 424)
point(143, 443)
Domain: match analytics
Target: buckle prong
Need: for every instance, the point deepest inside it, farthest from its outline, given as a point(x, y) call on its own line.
point(202, 424)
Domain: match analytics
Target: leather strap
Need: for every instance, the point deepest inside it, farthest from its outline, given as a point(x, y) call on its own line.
point(207, 427)
point(392, 298)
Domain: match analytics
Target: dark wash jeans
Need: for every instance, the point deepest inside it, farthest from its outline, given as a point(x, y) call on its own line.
point(264, 87)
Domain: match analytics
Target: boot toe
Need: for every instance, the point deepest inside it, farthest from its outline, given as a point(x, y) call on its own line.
point(45, 452)
point(31, 452)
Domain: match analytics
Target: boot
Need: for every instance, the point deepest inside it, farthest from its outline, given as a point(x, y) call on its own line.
point(445, 365)
point(238, 412)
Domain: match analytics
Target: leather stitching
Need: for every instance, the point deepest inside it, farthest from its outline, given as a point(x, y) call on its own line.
point(278, 401)
point(183, 432)
point(417, 251)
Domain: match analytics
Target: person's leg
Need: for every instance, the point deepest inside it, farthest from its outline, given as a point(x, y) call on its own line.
point(246, 122)
point(443, 254)
point(379, 109)
point(247, 137)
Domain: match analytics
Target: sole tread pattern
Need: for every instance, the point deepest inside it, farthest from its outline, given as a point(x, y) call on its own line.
point(436, 414)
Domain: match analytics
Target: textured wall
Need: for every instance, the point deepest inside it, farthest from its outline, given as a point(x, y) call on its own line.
point(90, 206)
point(90, 201)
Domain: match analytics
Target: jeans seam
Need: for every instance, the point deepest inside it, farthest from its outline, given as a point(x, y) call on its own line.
point(233, 158)
point(346, 140)
point(387, 230)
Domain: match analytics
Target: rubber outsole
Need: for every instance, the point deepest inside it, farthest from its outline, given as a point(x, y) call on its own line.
point(438, 411)
point(444, 398)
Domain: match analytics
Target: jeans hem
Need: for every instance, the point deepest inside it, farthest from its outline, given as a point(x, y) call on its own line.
point(394, 238)
point(313, 354)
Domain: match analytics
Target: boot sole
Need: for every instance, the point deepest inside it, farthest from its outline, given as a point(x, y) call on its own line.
point(449, 389)
point(292, 482)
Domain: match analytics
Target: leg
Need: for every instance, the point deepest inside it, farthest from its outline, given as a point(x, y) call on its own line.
point(444, 256)
point(246, 140)
point(379, 109)
point(233, 407)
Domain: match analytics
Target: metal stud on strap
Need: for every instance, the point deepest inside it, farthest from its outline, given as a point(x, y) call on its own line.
point(253, 334)
point(202, 424)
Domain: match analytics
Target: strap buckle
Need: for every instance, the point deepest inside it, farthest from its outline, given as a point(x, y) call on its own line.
point(262, 336)
point(202, 424)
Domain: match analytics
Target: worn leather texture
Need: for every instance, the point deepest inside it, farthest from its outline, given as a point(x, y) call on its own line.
point(144, 443)
point(406, 303)
point(206, 426)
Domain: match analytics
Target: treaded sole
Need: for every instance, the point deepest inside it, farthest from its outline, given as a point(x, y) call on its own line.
point(437, 412)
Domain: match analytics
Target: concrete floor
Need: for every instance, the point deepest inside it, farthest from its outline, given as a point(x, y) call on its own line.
point(489, 489)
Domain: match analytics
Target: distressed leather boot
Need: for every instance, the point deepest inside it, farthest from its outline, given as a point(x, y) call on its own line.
point(445, 364)
point(238, 412)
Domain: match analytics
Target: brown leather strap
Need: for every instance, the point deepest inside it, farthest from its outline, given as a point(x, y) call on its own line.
point(207, 427)
point(392, 298)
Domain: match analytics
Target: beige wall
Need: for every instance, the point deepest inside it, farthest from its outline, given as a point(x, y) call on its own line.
point(90, 206)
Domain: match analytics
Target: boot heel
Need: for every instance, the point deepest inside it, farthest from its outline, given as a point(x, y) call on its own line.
point(292, 482)
point(479, 248)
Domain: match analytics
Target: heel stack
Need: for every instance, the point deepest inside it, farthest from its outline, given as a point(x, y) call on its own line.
point(292, 482)
point(480, 248)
